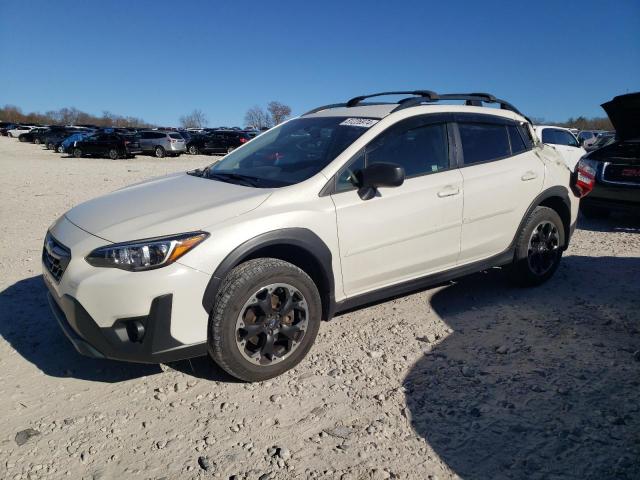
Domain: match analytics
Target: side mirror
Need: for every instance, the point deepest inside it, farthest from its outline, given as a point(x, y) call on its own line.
point(378, 175)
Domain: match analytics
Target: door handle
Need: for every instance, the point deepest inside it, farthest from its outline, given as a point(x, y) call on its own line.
point(449, 191)
point(529, 176)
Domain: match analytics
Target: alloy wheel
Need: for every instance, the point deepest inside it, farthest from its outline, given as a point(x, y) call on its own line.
point(544, 248)
point(272, 324)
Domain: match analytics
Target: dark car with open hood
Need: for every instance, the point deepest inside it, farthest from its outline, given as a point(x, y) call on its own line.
point(614, 170)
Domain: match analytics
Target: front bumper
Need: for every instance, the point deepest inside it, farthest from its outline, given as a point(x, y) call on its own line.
point(152, 316)
point(141, 339)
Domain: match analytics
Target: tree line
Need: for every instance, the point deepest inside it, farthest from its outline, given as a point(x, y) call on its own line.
point(256, 117)
point(69, 116)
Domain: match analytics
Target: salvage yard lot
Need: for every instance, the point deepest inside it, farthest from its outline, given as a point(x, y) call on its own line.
point(475, 379)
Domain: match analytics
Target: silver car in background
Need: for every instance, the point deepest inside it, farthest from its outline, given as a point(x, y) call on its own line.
point(161, 143)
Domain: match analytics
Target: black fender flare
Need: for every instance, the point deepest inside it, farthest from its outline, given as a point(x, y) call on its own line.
point(555, 191)
point(302, 239)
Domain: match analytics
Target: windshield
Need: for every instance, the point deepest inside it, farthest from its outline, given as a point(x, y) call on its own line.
point(290, 153)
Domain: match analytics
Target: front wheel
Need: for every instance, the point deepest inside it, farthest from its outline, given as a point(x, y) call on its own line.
point(77, 153)
point(113, 154)
point(193, 150)
point(265, 319)
point(60, 149)
point(538, 247)
point(37, 141)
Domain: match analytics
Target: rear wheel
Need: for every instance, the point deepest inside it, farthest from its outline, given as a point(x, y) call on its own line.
point(538, 247)
point(113, 154)
point(230, 149)
point(193, 150)
point(51, 146)
point(265, 319)
point(159, 152)
point(77, 153)
point(60, 149)
point(37, 141)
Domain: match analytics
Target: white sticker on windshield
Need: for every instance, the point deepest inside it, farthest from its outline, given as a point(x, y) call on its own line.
point(360, 122)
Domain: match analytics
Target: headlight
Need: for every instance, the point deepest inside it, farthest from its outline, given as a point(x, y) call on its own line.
point(145, 254)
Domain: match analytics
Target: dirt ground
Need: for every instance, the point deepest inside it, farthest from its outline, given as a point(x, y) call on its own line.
point(474, 380)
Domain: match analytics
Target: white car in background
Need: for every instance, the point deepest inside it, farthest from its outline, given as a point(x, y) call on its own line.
point(19, 130)
point(563, 141)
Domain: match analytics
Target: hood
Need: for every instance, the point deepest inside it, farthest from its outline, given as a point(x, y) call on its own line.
point(173, 204)
point(624, 113)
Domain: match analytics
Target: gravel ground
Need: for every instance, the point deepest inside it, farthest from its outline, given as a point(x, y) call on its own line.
point(472, 380)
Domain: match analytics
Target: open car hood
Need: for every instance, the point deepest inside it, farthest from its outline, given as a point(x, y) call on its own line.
point(624, 113)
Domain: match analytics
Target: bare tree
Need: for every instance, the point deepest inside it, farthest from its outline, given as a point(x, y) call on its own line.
point(257, 118)
point(196, 119)
point(278, 111)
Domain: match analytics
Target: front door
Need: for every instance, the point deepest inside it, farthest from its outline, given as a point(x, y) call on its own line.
point(403, 232)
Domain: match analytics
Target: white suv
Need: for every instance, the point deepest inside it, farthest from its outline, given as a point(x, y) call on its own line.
point(564, 141)
point(343, 206)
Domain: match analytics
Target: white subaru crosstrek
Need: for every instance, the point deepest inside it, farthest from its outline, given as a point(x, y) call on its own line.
point(343, 206)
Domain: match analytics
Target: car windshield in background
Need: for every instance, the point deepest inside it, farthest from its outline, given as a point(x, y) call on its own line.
point(177, 136)
point(290, 153)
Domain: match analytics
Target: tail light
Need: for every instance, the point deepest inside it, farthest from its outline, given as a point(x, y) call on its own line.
point(243, 140)
point(173, 140)
point(584, 177)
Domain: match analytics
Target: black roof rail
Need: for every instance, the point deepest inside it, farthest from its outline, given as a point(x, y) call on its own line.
point(474, 99)
point(424, 96)
point(420, 93)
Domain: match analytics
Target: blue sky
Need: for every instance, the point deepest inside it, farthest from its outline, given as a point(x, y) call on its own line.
point(158, 60)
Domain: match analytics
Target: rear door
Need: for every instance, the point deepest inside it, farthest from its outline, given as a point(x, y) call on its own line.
point(565, 143)
point(403, 232)
point(502, 175)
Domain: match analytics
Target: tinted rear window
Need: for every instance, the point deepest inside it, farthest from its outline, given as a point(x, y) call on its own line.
point(177, 136)
point(482, 142)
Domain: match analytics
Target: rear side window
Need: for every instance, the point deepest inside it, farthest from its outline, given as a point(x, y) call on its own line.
point(517, 143)
point(483, 142)
point(177, 136)
point(555, 136)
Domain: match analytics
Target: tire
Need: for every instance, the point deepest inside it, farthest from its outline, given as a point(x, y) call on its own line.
point(51, 146)
point(113, 154)
point(159, 152)
point(193, 150)
point(237, 300)
point(538, 247)
point(59, 149)
point(230, 149)
point(594, 212)
point(37, 141)
point(77, 153)
point(21, 139)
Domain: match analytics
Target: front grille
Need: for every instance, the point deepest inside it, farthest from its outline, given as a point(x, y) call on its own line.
point(621, 174)
point(55, 257)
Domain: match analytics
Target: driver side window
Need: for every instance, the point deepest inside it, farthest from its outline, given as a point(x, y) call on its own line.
point(418, 148)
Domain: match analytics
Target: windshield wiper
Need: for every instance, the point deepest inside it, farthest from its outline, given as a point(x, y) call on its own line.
point(238, 178)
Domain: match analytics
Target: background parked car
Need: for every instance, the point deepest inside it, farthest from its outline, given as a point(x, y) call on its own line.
point(224, 141)
point(19, 130)
point(162, 143)
point(67, 144)
point(563, 141)
point(111, 145)
point(5, 127)
point(614, 170)
point(586, 135)
point(602, 140)
point(55, 136)
point(33, 135)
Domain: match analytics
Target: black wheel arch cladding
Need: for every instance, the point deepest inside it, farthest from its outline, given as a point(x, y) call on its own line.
point(298, 246)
